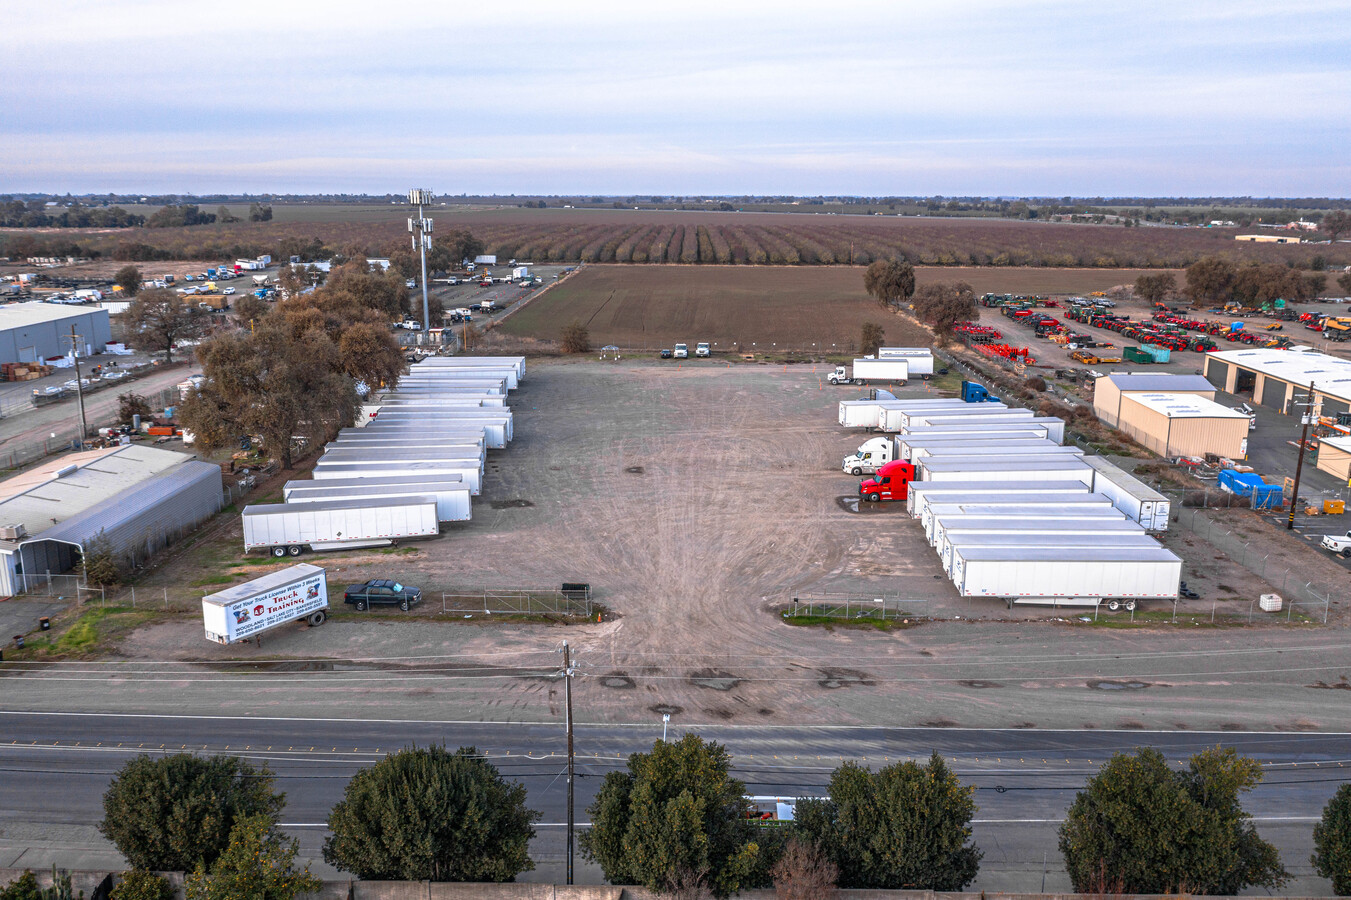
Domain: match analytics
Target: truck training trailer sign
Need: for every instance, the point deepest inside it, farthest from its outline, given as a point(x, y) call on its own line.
point(242, 619)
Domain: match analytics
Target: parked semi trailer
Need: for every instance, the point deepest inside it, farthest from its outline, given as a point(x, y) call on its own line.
point(922, 493)
point(942, 518)
point(1077, 576)
point(451, 494)
point(283, 529)
point(1053, 427)
point(876, 452)
point(243, 612)
point(1069, 506)
point(1031, 540)
point(1137, 500)
point(975, 468)
point(468, 471)
point(866, 370)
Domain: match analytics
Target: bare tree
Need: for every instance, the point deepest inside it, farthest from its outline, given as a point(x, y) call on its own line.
point(576, 338)
point(804, 872)
point(159, 318)
point(872, 338)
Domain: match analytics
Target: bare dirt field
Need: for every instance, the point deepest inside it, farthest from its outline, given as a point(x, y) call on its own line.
point(803, 307)
point(697, 500)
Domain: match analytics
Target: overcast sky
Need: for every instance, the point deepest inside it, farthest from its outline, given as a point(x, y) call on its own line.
point(957, 97)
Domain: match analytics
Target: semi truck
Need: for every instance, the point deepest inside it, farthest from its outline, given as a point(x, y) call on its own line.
point(283, 529)
point(243, 612)
point(876, 452)
point(889, 483)
point(1077, 576)
point(866, 370)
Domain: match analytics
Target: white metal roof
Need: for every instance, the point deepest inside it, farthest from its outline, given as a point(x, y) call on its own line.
point(1185, 406)
point(1329, 374)
point(1159, 381)
point(35, 312)
point(42, 498)
point(1337, 443)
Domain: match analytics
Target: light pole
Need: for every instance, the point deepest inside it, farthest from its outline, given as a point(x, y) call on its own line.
point(665, 720)
point(421, 229)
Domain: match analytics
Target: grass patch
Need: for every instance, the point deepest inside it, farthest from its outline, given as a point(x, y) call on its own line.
point(832, 622)
point(402, 551)
point(214, 579)
point(92, 634)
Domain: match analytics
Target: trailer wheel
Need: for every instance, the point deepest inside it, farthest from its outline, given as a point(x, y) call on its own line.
point(1113, 605)
point(856, 471)
point(316, 619)
point(361, 606)
point(295, 549)
point(403, 604)
point(874, 497)
point(1130, 606)
point(278, 551)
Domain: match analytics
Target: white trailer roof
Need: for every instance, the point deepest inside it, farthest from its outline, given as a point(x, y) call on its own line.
point(968, 524)
point(980, 464)
point(446, 481)
point(271, 509)
point(262, 584)
point(1125, 480)
point(1070, 554)
point(993, 487)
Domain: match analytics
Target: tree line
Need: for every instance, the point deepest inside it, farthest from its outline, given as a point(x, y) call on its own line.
point(1214, 279)
point(675, 821)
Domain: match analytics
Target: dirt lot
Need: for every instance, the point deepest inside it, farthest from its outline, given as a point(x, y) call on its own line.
point(696, 500)
point(801, 307)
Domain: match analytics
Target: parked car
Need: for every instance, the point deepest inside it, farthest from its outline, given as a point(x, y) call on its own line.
point(228, 291)
point(382, 592)
point(701, 349)
point(666, 353)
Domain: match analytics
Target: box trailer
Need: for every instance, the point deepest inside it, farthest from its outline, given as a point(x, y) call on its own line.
point(957, 543)
point(866, 370)
point(924, 492)
point(433, 363)
point(862, 413)
point(383, 434)
point(357, 455)
point(292, 528)
point(892, 416)
point(452, 497)
point(1075, 576)
point(1053, 427)
point(243, 612)
point(969, 468)
point(1026, 443)
point(497, 424)
point(1140, 502)
point(978, 414)
point(921, 359)
point(939, 516)
point(470, 474)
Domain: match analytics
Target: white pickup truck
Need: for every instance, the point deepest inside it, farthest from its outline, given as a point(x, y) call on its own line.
point(1338, 543)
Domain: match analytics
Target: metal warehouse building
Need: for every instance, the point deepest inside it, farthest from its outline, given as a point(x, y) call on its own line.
point(1184, 425)
point(31, 332)
point(140, 498)
point(1272, 377)
point(1109, 391)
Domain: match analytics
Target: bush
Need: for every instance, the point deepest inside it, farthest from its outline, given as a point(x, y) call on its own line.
point(170, 813)
point(25, 888)
point(804, 872)
point(1036, 383)
point(576, 338)
point(98, 563)
point(258, 864)
point(138, 884)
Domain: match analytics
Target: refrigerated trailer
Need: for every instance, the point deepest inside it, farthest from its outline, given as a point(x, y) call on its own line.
point(243, 612)
point(1121, 540)
point(976, 468)
point(970, 414)
point(922, 493)
point(1140, 502)
point(921, 359)
point(863, 413)
point(451, 494)
point(283, 529)
point(1010, 448)
point(470, 474)
point(890, 417)
point(1075, 576)
point(939, 517)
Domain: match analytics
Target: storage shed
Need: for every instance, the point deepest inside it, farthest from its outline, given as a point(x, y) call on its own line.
point(1334, 457)
point(1109, 390)
point(139, 498)
point(32, 332)
point(1184, 425)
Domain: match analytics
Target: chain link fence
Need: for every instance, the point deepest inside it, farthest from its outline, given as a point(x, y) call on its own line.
point(568, 601)
point(854, 607)
point(62, 438)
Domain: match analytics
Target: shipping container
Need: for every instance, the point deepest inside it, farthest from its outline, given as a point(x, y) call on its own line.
point(960, 542)
point(1076, 576)
point(958, 468)
point(245, 611)
point(924, 492)
point(469, 473)
point(1137, 500)
point(452, 497)
point(291, 528)
point(1060, 506)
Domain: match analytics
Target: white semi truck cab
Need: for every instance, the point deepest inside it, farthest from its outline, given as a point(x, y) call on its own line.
point(872, 455)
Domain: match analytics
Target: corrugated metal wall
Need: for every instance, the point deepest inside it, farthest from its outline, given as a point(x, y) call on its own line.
point(1105, 400)
point(1334, 462)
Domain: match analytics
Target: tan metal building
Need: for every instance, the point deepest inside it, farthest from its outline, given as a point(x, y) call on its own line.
point(1334, 457)
point(1273, 378)
point(1109, 390)
point(1184, 425)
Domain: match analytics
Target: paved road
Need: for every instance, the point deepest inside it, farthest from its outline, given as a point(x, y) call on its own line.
point(54, 767)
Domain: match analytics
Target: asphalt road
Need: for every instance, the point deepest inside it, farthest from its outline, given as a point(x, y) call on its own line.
point(54, 767)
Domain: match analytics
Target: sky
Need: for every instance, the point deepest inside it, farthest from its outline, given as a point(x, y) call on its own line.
point(696, 97)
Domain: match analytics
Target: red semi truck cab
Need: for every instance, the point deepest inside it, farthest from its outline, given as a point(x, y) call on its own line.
point(892, 482)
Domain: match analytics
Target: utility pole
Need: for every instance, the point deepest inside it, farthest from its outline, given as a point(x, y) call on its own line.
point(567, 702)
point(1306, 415)
point(79, 386)
point(421, 229)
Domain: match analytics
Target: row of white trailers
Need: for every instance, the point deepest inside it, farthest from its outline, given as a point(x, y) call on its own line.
point(414, 463)
point(1015, 515)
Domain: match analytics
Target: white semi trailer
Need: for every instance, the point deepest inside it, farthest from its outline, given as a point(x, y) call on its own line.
point(243, 612)
point(1076, 576)
point(283, 529)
